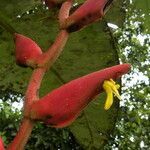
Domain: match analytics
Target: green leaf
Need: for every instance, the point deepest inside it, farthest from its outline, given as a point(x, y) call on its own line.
point(13, 8)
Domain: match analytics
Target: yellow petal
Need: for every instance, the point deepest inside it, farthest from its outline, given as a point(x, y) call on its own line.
point(116, 93)
point(109, 101)
point(114, 88)
point(117, 86)
point(110, 88)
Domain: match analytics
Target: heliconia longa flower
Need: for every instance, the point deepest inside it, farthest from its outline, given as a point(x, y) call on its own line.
point(1, 144)
point(62, 106)
point(90, 11)
point(26, 50)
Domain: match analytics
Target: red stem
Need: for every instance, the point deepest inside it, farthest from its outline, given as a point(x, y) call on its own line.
point(33, 89)
point(27, 125)
point(49, 57)
point(64, 11)
point(22, 136)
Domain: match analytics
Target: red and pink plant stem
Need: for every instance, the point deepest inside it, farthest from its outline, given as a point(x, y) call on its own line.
point(27, 124)
point(31, 95)
point(64, 11)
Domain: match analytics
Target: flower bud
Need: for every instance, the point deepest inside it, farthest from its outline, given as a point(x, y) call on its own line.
point(26, 51)
point(62, 106)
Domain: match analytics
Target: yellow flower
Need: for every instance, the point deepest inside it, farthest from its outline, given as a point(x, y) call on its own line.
point(110, 88)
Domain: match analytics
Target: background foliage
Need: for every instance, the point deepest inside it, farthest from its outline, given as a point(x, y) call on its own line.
point(93, 48)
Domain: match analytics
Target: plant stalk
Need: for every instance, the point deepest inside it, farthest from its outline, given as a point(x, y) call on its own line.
point(27, 124)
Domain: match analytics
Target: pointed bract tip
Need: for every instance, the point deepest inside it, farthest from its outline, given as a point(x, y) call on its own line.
point(125, 67)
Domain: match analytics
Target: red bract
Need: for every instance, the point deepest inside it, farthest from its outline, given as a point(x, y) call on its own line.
point(26, 51)
point(1, 144)
point(89, 12)
point(62, 106)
